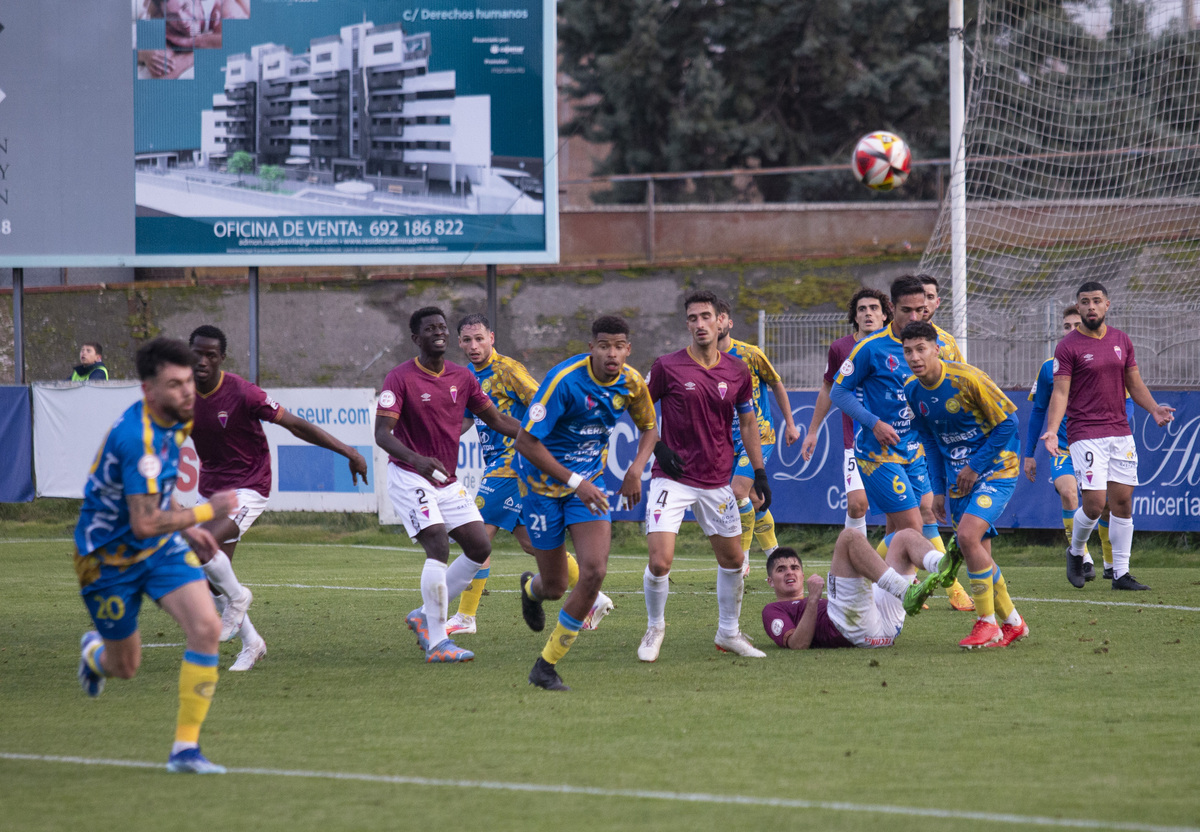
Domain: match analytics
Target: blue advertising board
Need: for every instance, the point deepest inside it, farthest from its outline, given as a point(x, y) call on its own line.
point(16, 445)
point(1168, 498)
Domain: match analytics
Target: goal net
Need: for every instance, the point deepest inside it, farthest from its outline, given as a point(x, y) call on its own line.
point(1082, 163)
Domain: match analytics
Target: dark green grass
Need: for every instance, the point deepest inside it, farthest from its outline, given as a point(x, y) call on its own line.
point(1093, 717)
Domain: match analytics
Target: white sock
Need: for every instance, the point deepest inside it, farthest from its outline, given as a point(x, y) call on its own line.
point(219, 572)
point(932, 560)
point(656, 590)
point(459, 575)
point(1120, 535)
point(1087, 557)
point(859, 524)
point(991, 619)
point(894, 583)
point(182, 746)
point(1014, 619)
point(730, 586)
point(433, 593)
point(248, 634)
point(1082, 530)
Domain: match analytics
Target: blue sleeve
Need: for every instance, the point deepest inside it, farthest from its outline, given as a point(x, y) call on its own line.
point(933, 456)
point(981, 460)
point(849, 404)
point(1042, 390)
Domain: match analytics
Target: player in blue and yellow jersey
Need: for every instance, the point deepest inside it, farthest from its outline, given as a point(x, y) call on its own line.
point(765, 382)
point(563, 445)
point(132, 539)
point(870, 389)
point(969, 431)
point(947, 347)
point(510, 387)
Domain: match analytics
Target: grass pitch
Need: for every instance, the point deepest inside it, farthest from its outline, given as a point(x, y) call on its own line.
point(1090, 722)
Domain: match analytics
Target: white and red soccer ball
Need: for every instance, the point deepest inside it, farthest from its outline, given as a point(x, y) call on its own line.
point(881, 161)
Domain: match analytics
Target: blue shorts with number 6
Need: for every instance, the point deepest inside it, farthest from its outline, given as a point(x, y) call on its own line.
point(546, 518)
point(499, 502)
point(115, 598)
point(894, 486)
point(987, 501)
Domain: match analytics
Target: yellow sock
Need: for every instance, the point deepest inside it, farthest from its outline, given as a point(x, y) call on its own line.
point(572, 572)
point(197, 681)
point(764, 530)
point(882, 547)
point(1069, 524)
point(468, 602)
point(982, 592)
point(565, 632)
point(1003, 604)
point(746, 511)
point(1105, 544)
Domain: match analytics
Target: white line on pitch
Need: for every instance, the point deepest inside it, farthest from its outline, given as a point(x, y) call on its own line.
point(1109, 603)
point(644, 794)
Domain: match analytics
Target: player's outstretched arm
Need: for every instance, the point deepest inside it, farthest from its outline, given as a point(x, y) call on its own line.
point(1058, 409)
point(146, 519)
point(1142, 397)
point(790, 433)
point(631, 486)
point(423, 465)
point(801, 637)
point(500, 422)
point(589, 493)
point(820, 411)
point(313, 435)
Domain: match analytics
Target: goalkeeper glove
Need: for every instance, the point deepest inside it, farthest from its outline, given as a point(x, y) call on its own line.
point(762, 487)
point(671, 462)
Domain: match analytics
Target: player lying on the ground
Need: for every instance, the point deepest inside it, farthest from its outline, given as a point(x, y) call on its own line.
point(563, 445)
point(969, 430)
point(132, 539)
point(511, 388)
point(418, 421)
point(868, 596)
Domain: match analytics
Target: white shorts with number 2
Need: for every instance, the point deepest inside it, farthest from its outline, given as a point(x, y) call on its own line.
point(421, 504)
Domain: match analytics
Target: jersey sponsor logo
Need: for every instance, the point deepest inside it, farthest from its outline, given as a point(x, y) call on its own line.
point(892, 363)
point(776, 626)
point(387, 399)
point(722, 388)
point(878, 641)
point(271, 403)
point(847, 368)
point(952, 406)
point(149, 466)
point(906, 413)
point(453, 393)
point(510, 503)
point(691, 385)
point(983, 501)
point(425, 397)
point(1087, 356)
point(961, 452)
point(484, 439)
point(592, 430)
point(951, 438)
point(223, 417)
point(537, 412)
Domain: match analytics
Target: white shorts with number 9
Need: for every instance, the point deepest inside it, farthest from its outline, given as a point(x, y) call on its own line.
point(1098, 462)
point(851, 479)
point(421, 504)
point(715, 508)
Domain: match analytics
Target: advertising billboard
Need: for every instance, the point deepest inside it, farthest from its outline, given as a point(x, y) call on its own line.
point(277, 132)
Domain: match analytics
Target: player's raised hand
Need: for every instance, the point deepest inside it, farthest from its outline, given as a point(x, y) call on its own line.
point(224, 503)
point(1162, 414)
point(1030, 465)
point(201, 541)
point(592, 497)
point(808, 446)
point(358, 468)
point(814, 584)
point(939, 508)
point(886, 434)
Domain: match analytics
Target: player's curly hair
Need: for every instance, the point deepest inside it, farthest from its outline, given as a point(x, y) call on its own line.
point(208, 331)
point(153, 355)
point(610, 325)
point(852, 307)
point(718, 303)
point(414, 321)
point(780, 553)
point(919, 329)
point(474, 319)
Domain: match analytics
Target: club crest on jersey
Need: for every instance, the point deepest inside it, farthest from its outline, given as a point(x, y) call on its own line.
point(1088, 476)
point(425, 512)
point(983, 501)
point(618, 401)
point(924, 409)
point(657, 514)
point(223, 417)
point(952, 406)
point(479, 502)
point(589, 401)
point(1117, 350)
point(453, 393)
point(892, 363)
point(722, 388)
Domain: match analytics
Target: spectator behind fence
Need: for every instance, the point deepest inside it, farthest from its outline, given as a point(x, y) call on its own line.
point(91, 364)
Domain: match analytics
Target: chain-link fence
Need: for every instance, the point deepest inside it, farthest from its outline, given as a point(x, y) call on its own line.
point(1010, 348)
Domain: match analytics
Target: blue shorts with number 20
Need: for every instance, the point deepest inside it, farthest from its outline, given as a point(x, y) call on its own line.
point(894, 486)
point(115, 598)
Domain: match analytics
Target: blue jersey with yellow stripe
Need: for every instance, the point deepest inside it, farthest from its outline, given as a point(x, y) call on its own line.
point(964, 420)
point(763, 377)
point(573, 413)
point(140, 455)
point(1039, 394)
point(511, 388)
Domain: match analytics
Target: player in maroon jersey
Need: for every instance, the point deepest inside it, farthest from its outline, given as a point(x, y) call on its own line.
point(418, 421)
point(1093, 368)
point(867, 596)
point(234, 454)
point(869, 311)
point(699, 389)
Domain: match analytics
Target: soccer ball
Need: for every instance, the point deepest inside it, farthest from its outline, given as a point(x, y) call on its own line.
point(882, 161)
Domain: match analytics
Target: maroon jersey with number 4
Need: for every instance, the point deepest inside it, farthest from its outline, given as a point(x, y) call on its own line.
point(699, 405)
point(781, 617)
point(839, 351)
point(227, 430)
point(428, 408)
point(1096, 367)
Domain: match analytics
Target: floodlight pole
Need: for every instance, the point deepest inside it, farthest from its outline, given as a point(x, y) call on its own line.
point(958, 180)
point(18, 277)
point(493, 299)
point(253, 275)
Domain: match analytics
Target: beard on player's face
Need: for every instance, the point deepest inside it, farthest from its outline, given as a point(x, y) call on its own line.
point(1094, 324)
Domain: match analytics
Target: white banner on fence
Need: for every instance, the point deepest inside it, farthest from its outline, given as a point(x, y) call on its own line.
point(70, 422)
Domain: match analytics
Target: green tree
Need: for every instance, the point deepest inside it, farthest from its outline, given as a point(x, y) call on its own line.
point(239, 163)
point(271, 175)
